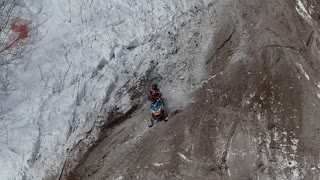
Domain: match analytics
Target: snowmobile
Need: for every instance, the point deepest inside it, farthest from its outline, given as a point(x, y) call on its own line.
point(157, 112)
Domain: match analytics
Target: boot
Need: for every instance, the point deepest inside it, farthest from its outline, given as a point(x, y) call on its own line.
point(166, 117)
point(151, 124)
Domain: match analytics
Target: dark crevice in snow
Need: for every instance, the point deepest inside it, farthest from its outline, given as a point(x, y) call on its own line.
point(61, 172)
point(276, 34)
point(310, 37)
point(221, 46)
point(116, 118)
point(276, 62)
point(103, 62)
point(36, 148)
point(133, 44)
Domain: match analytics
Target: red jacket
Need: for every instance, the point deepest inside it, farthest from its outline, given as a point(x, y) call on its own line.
point(154, 94)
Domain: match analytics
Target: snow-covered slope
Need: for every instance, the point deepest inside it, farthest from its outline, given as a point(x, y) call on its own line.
point(256, 117)
point(88, 60)
point(83, 55)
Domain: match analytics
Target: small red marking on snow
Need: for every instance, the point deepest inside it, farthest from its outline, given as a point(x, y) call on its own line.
point(21, 26)
point(19, 33)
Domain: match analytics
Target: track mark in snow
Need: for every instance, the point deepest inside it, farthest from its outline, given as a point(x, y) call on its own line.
point(221, 46)
point(158, 164)
point(303, 71)
point(184, 157)
point(119, 178)
point(310, 37)
point(207, 80)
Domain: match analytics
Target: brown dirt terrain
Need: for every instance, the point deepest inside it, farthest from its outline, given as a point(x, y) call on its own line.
point(256, 116)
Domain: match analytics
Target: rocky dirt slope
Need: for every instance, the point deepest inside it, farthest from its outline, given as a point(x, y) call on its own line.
point(256, 115)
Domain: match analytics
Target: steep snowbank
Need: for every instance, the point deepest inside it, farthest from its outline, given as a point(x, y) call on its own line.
point(256, 117)
point(84, 53)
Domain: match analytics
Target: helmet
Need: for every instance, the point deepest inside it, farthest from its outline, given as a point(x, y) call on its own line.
point(154, 86)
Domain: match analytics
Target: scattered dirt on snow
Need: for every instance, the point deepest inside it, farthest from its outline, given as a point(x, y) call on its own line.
point(255, 117)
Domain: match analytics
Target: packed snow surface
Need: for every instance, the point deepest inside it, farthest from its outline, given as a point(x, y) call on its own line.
point(82, 53)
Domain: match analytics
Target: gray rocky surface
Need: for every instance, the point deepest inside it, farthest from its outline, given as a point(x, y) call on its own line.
point(256, 116)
